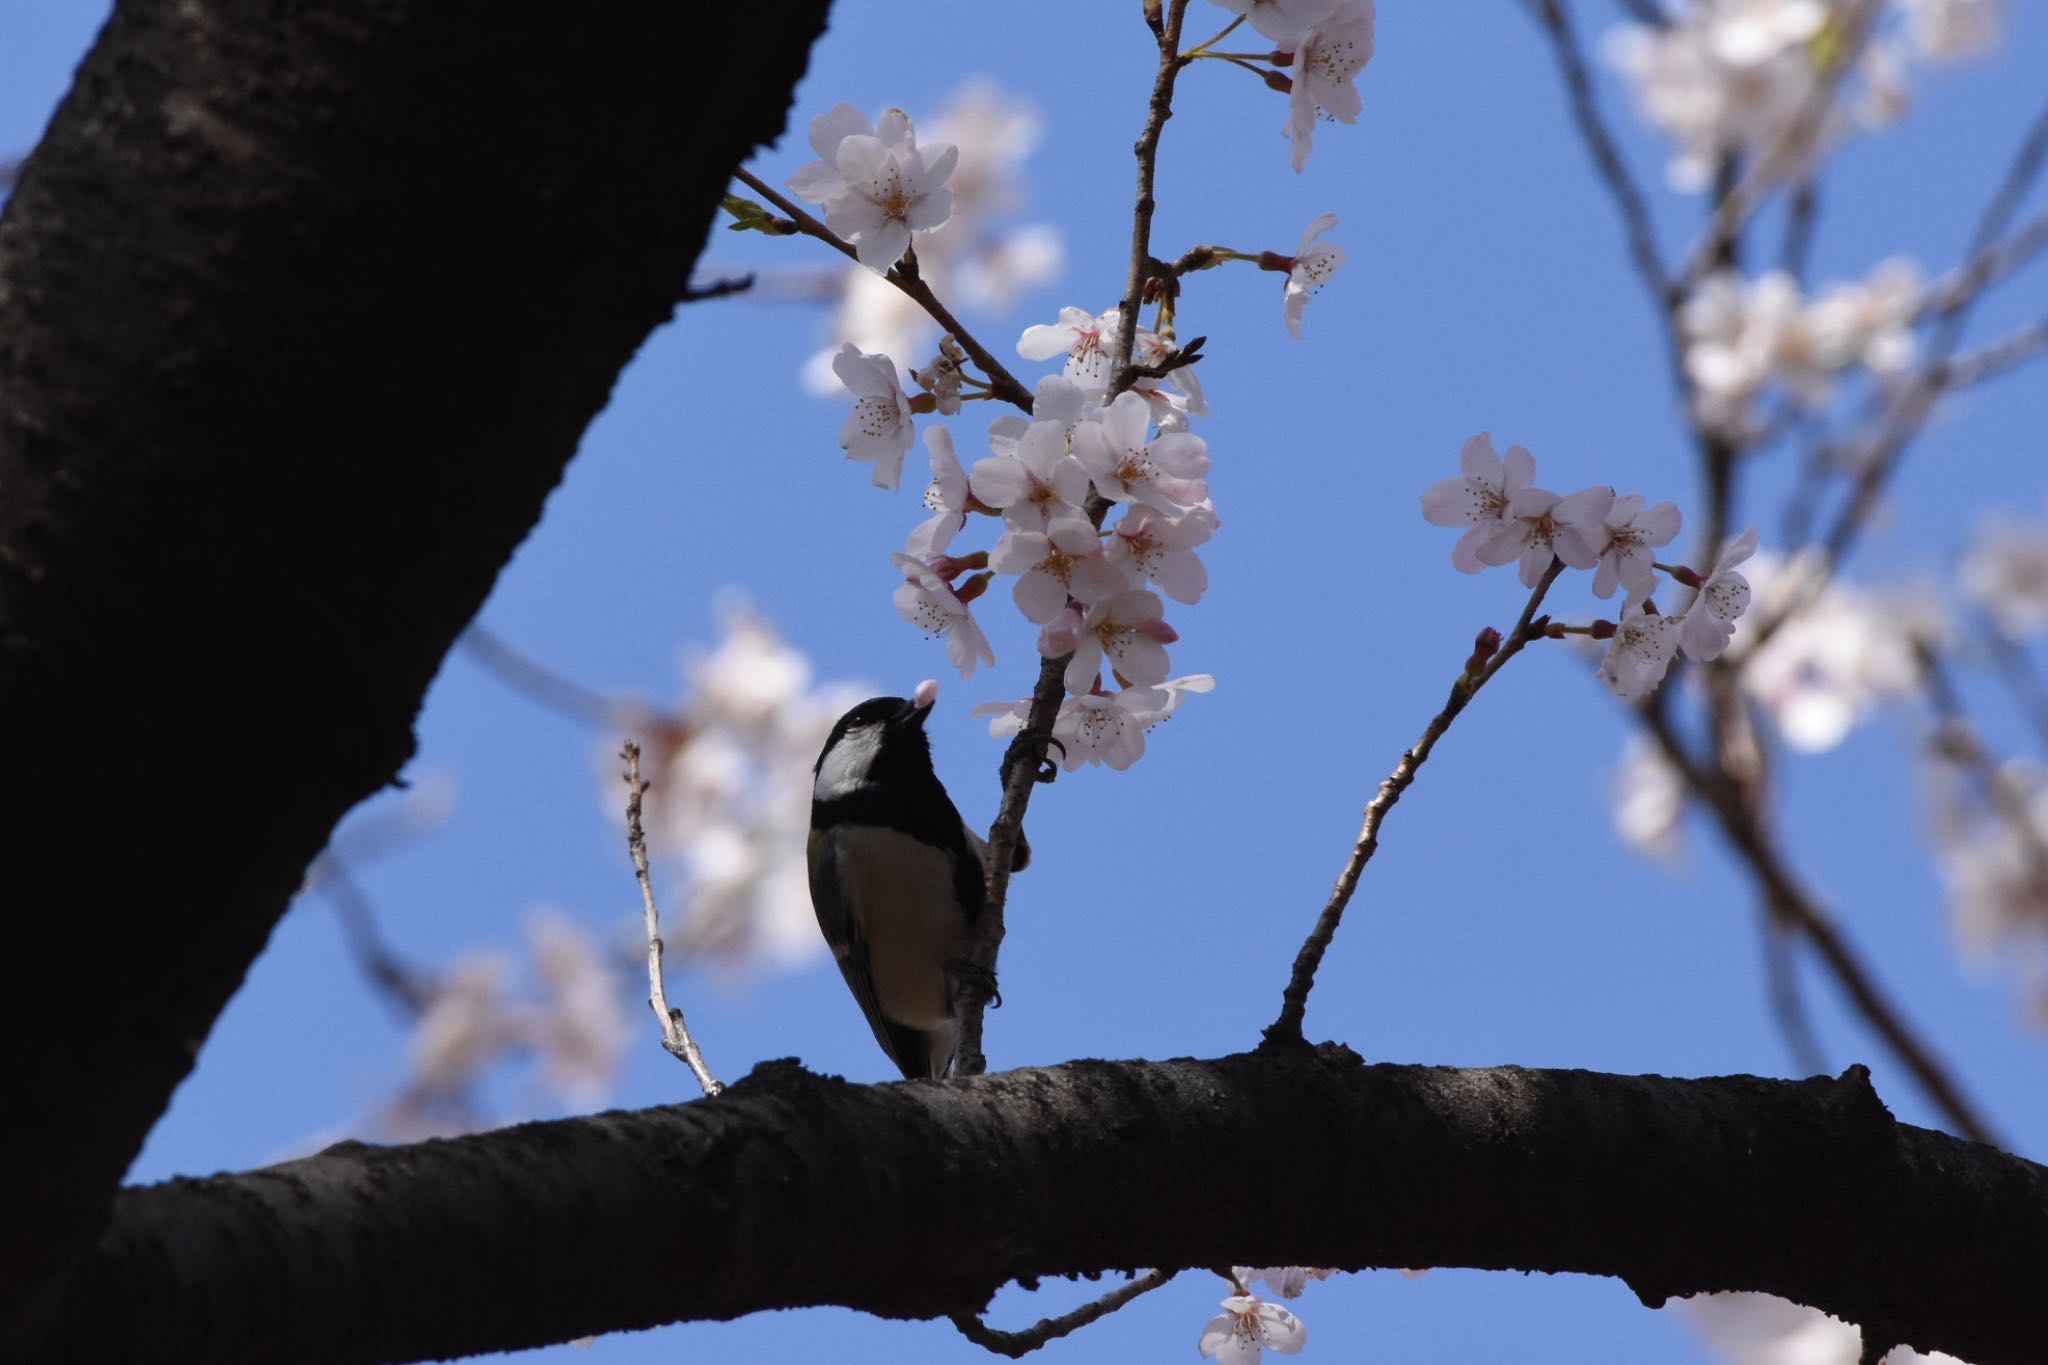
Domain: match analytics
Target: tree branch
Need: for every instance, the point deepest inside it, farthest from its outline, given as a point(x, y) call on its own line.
point(1294, 1000)
point(790, 1190)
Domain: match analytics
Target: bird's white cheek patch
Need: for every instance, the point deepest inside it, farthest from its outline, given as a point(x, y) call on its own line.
point(846, 767)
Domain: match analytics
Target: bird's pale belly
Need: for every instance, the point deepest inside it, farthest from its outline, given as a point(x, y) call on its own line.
point(900, 893)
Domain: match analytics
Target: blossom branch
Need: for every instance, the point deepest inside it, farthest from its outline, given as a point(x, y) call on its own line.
point(537, 682)
point(1791, 902)
point(1025, 758)
point(1477, 673)
point(675, 1034)
point(1005, 384)
point(1956, 741)
point(1022, 1343)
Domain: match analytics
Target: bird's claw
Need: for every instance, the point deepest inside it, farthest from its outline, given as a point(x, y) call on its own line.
point(982, 978)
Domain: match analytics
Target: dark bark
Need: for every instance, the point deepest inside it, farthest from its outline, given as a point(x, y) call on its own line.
point(303, 308)
point(917, 1200)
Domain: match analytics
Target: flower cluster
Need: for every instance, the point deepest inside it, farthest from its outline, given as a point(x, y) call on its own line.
point(1741, 336)
point(1249, 1324)
point(970, 258)
point(1736, 78)
point(1508, 520)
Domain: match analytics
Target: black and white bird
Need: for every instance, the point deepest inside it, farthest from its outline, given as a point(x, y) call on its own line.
point(897, 877)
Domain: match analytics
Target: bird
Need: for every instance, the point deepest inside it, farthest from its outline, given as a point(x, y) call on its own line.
point(898, 879)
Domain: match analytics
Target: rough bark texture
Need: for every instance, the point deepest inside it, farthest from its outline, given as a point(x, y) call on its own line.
point(916, 1200)
point(303, 308)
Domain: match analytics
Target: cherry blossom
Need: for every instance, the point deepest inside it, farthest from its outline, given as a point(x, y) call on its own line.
point(1327, 59)
point(879, 427)
point(1709, 623)
point(1285, 1280)
point(1632, 533)
point(1285, 22)
point(582, 1027)
point(1064, 561)
point(1127, 628)
point(1164, 473)
point(1037, 487)
point(877, 186)
point(1152, 546)
point(1087, 340)
point(1640, 652)
point(1948, 30)
point(1247, 1325)
point(1477, 496)
point(945, 497)
point(1540, 524)
point(1649, 800)
point(1313, 265)
point(928, 602)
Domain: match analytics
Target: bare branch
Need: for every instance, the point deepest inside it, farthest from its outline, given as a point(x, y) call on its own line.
point(675, 1034)
point(1478, 672)
point(1004, 384)
point(536, 681)
point(1023, 1343)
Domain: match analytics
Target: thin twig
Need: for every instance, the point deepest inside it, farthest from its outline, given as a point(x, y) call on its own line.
point(1792, 904)
point(535, 680)
point(1026, 755)
point(1799, 221)
point(719, 288)
point(1294, 1001)
point(1996, 357)
point(408, 989)
point(1788, 1004)
point(1647, 12)
point(910, 282)
point(675, 1034)
point(1022, 1343)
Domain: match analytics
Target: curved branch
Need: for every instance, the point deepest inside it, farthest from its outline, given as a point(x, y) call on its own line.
point(789, 1190)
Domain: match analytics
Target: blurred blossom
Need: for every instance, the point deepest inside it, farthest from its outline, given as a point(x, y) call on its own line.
point(1824, 671)
point(1725, 77)
point(1742, 335)
point(464, 1026)
point(974, 260)
point(1950, 30)
point(729, 805)
point(1760, 1329)
point(2005, 572)
point(1649, 800)
point(582, 1021)
point(1993, 857)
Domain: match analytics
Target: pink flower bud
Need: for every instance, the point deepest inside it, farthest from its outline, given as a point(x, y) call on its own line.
point(927, 692)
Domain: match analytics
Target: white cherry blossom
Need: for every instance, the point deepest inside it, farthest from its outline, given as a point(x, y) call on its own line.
point(1540, 523)
point(1248, 1325)
point(1064, 561)
point(945, 497)
point(1154, 547)
point(1950, 30)
point(877, 185)
point(2006, 573)
point(1709, 623)
point(1329, 56)
point(1640, 652)
point(1477, 496)
point(1283, 22)
point(1038, 486)
point(1313, 266)
point(1086, 339)
point(1126, 628)
point(878, 428)
point(928, 602)
point(1164, 472)
point(1633, 532)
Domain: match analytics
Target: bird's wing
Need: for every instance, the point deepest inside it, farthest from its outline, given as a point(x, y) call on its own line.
point(907, 1047)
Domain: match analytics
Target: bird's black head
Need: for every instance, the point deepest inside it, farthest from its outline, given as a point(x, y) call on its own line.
point(882, 740)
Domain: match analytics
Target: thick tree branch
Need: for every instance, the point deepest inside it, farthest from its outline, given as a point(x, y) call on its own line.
point(792, 1189)
point(303, 309)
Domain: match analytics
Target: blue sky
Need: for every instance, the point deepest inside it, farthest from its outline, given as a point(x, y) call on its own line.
point(1503, 920)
